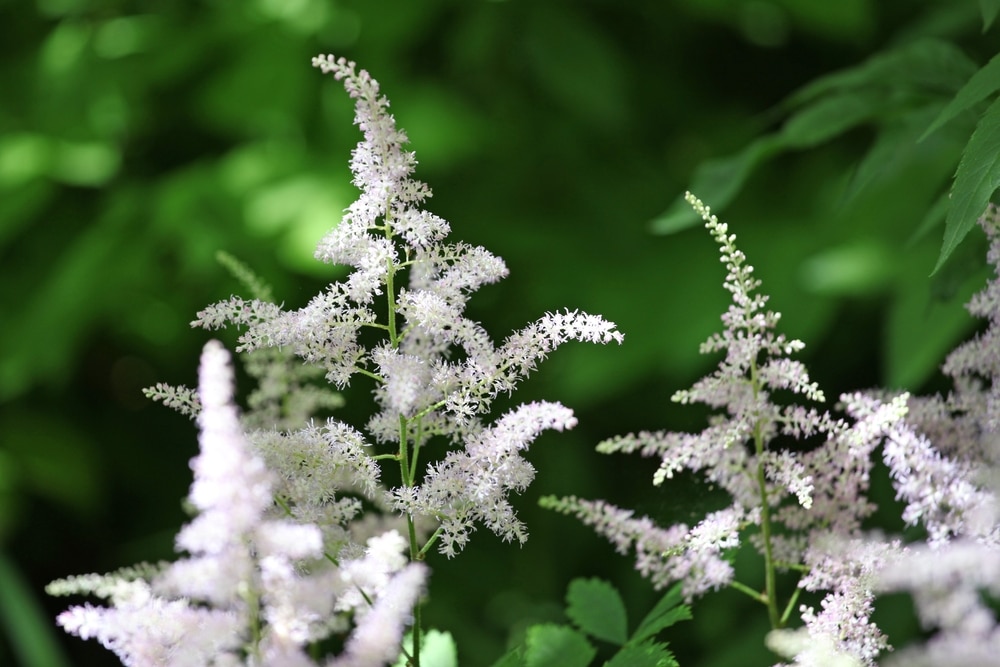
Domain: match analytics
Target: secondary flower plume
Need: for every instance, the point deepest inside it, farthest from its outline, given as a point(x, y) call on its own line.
point(798, 477)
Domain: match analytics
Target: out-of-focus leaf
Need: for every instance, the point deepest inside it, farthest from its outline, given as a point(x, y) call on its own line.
point(23, 157)
point(894, 147)
point(125, 35)
point(596, 607)
point(924, 324)
point(33, 441)
point(576, 64)
point(929, 64)
point(550, 645)
point(989, 9)
point(19, 206)
point(300, 211)
point(829, 117)
point(444, 126)
point(823, 110)
point(716, 181)
point(976, 180)
point(983, 83)
point(934, 217)
point(86, 164)
point(26, 627)
point(856, 268)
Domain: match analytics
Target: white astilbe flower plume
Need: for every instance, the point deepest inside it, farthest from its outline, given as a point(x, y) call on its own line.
point(295, 536)
point(243, 569)
point(436, 372)
point(472, 484)
point(807, 500)
point(947, 468)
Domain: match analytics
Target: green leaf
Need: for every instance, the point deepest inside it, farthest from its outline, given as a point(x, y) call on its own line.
point(829, 117)
point(24, 622)
point(881, 86)
point(437, 649)
point(935, 216)
point(645, 654)
point(976, 180)
point(989, 9)
point(923, 325)
point(717, 182)
point(894, 148)
point(861, 267)
point(597, 609)
point(981, 85)
point(928, 64)
point(513, 658)
point(667, 611)
point(550, 645)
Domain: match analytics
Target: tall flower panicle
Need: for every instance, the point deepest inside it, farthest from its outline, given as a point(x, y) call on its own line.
point(736, 451)
point(803, 507)
point(297, 536)
point(252, 590)
point(951, 482)
point(436, 372)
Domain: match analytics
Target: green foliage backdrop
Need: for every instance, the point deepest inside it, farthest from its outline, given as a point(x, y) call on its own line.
point(138, 139)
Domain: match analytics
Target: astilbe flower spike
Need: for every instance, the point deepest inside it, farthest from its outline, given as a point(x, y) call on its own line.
point(253, 590)
point(436, 372)
point(803, 506)
point(955, 488)
point(297, 536)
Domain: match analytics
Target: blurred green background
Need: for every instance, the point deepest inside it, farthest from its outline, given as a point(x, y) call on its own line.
point(139, 138)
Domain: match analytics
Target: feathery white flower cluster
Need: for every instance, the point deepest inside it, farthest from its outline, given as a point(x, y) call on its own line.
point(296, 532)
point(254, 590)
point(808, 503)
point(954, 488)
point(436, 371)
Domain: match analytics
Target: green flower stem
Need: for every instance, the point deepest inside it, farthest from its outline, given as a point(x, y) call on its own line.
point(790, 606)
point(406, 469)
point(743, 588)
point(770, 586)
point(430, 542)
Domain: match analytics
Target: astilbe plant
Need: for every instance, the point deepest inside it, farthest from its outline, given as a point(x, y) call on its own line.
point(296, 538)
point(951, 582)
point(798, 479)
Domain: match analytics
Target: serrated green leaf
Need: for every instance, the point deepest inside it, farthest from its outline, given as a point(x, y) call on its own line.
point(823, 110)
point(596, 607)
point(931, 64)
point(25, 622)
point(981, 85)
point(667, 611)
point(645, 654)
point(717, 182)
point(976, 179)
point(548, 645)
point(989, 9)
